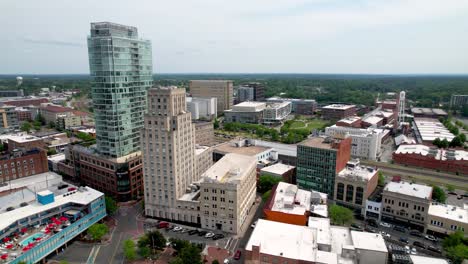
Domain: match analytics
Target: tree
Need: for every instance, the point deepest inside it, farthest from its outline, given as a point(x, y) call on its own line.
point(63, 262)
point(26, 126)
point(51, 124)
point(266, 182)
point(97, 231)
point(438, 194)
point(84, 136)
point(464, 111)
point(437, 142)
point(178, 244)
point(450, 188)
point(381, 179)
point(129, 249)
point(177, 261)
point(39, 118)
point(51, 152)
point(462, 137)
point(144, 251)
point(340, 215)
point(154, 240)
point(111, 205)
point(266, 195)
point(191, 254)
point(215, 261)
point(456, 142)
point(444, 143)
point(37, 125)
point(216, 123)
point(456, 247)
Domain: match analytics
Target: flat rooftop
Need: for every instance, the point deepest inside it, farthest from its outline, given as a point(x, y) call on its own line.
point(430, 129)
point(36, 182)
point(20, 137)
point(286, 240)
point(282, 149)
point(428, 111)
point(229, 169)
point(56, 157)
point(358, 173)
point(230, 147)
point(338, 106)
point(373, 120)
point(289, 199)
point(368, 241)
point(438, 154)
point(349, 120)
point(278, 168)
point(451, 212)
point(410, 189)
point(318, 142)
point(323, 229)
point(427, 260)
point(200, 149)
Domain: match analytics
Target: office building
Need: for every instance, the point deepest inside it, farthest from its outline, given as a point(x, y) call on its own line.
point(281, 171)
point(9, 121)
point(67, 121)
point(423, 156)
point(366, 143)
point(11, 93)
point(319, 243)
point(245, 93)
point(246, 112)
point(407, 203)
point(284, 153)
point(446, 219)
point(228, 193)
point(354, 184)
point(204, 133)
point(220, 89)
point(202, 108)
point(275, 113)
point(22, 141)
point(22, 163)
point(243, 147)
point(350, 121)
point(51, 112)
point(43, 218)
point(319, 160)
point(338, 111)
point(458, 100)
point(168, 144)
point(372, 121)
point(426, 130)
point(258, 90)
point(428, 112)
point(121, 69)
point(298, 106)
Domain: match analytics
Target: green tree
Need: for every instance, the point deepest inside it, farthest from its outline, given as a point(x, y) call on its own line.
point(191, 254)
point(450, 188)
point(84, 136)
point(462, 137)
point(216, 123)
point(39, 118)
point(456, 142)
point(444, 143)
point(179, 244)
point(111, 205)
point(438, 194)
point(2, 148)
point(97, 231)
point(340, 215)
point(63, 262)
point(154, 240)
point(177, 260)
point(51, 152)
point(144, 251)
point(215, 261)
point(266, 182)
point(464, 111)
point(129, 249)
point(381, 179)
point(26, 126)
point(51, 125)
point(437, 142)
point(266, 195)
point(37, 125)
point(456, 247)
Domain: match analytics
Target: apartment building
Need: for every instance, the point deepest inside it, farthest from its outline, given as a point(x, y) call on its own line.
point(319, 160)
point(22, 163)
point(51, 112)
point(354, 184)
point(365, 143)
point(407, 203)
point(222, 90)
point(227, 193)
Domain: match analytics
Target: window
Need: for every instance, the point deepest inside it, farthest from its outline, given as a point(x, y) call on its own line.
point(340, 191)
point(359, 195)
point(349, 193)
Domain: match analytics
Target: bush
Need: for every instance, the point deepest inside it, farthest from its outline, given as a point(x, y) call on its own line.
point(129, 249)
point(438, 194)
point(266, 182)
point(97, 231)
point(340, 215)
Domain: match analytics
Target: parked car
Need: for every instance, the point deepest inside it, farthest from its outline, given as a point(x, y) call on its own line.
point(372, 222)
point(209, 235)
point(238, 254)
point(385, 234)
point(414, 251)
point(193, 232)
point(217, 236)
point(162, 225)
point(399, 229)
point(404, 240)
point(177, 229)
point(415, 233)
point(434, 249)
point(254, 224)
point(452, 193)
point(202, 233)
point(419, 244)
point(370, 230)
point(430, 238)
point(385, 224)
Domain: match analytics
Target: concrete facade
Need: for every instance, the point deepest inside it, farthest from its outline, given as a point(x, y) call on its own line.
point(220, 89)
point(204, 133)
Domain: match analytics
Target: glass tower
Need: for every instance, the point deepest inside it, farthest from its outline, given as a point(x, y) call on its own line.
point(121, 69)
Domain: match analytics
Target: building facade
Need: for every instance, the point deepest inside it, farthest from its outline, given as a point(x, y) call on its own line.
point(458, 100)
point(51, 112)
point(202, 108)
point(204, 133)
point(276, 112)
point(319, 160)
point(246, 112)
point(406, 203)
point(298, 106)
point(245, 93)
point(19, 164)
point(338, 111)
point(259, 90)
point(222, 90)
point(121, 69)
point(446, 219)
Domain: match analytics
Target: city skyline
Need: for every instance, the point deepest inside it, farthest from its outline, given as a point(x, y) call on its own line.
point(365, 37)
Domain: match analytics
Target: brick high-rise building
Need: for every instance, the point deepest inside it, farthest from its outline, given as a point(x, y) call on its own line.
point(319, 160)
point(221, 89)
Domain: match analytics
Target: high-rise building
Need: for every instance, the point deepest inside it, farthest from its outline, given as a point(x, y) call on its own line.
point(319, 160)
point(221, 89)
point(245, 93)
point(259, 90)
point(168, 145)
point(458, 100)
point(121, 67)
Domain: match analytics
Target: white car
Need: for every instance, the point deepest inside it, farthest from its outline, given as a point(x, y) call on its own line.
point(254, 224)
point(430, 238)
point(413, 251)
point(209, 235)
point(177, 229)
point(385, 224)
point(385, 234)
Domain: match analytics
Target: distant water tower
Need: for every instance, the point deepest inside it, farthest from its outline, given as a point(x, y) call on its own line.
point(401, 107)
point(19, 81)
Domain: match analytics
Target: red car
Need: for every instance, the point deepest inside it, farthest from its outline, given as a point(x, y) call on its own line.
point(238, 254)
point(162, 225)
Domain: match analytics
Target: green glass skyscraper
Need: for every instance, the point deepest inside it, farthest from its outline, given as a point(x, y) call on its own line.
point(121, 69)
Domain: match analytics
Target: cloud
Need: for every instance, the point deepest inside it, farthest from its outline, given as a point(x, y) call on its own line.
point(52, 42)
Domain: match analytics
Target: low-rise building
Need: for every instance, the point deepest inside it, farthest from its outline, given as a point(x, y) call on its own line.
point(243, 147)
point(51, 112)
point(284, 153)
point(202, 108)
point(25, 101)
point(22, 163)
point(338, 111)
point(427, 130)
point(416, 259)
point(8, 118)
point(22, 141)
point(458, 100)
point(298, 106)
point(350, 121)
point(54, 160)
point(204, 133)
point(446, 219)
point(366, 142)
point(65, 121)
point(228, 193)
point(276, 112)
point(432, 158)
point(428, 112)
point(372, 121)
point(283, 171)
point(246, 112)
point(354, 184)
point(407, 203)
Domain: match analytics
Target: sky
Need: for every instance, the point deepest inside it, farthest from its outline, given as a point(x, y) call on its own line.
point(245, 36)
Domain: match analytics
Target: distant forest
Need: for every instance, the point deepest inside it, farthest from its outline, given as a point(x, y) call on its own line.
point(421, 90)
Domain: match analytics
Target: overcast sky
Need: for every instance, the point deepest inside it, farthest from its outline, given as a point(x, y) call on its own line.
point(245, 36)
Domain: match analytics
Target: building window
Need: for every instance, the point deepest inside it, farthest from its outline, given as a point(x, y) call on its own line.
point(359, 195)
point(340, 191)
point(349, 193)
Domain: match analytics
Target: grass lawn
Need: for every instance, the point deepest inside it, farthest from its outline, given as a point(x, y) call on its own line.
point(309, 124)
